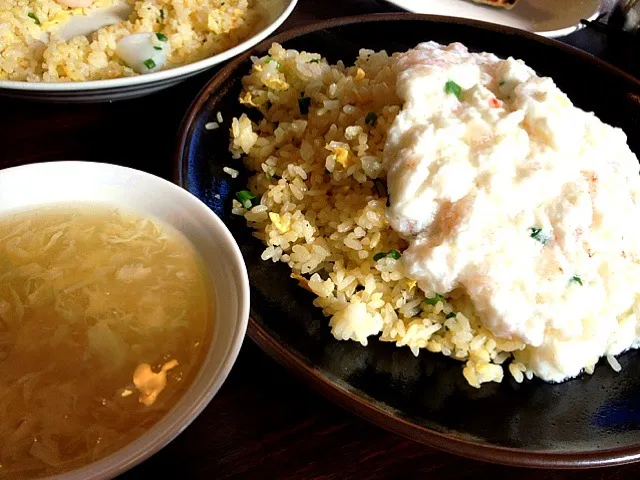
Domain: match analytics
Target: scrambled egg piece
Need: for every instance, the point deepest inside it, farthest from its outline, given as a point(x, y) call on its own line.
point(63, 16)
point(282, 223)
point(340, 152)
point(247, 99)
point(60, 18)
point(99, 4)
point(276, 83)
point(151, 384)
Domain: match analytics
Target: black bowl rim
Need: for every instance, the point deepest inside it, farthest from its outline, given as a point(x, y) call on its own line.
point(338, 394)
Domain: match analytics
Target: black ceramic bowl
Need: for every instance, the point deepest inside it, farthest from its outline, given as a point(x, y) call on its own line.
point(591, 421)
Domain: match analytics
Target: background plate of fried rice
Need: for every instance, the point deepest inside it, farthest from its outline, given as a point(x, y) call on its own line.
point(82, 71)
point(589, 421)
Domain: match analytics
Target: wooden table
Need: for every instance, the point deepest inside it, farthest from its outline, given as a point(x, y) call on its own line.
point(263, 423)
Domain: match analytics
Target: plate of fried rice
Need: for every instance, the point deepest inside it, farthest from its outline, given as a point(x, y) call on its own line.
point(288, 144)
point(103, 50)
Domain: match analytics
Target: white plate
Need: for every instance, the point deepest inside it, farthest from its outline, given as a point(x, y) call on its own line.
point(550, 18)
point(275, 12)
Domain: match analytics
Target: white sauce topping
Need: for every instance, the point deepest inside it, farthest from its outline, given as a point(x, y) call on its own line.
point(523, 201)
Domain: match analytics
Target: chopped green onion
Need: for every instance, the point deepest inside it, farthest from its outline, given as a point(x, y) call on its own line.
point(34, 18)
point(451, 315)
point(247, 199)
point(539, 235)
point(162, 37)
point(371, 118)
point(157, 48)
point(453, 88)
point(501, 83)
point(395, 254)
point(382, 190)
point(315, 60)
point(434, 300)
point(270, 59)
point(576, 279)
point(304, 103)
point(149, 63)
point(391, 253)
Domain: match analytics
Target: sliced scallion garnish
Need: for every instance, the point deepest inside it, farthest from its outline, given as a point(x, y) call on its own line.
point(395, 254)
point(391, 253)
point(32, 16)
point(270, 59)
point(247, 199)
point(434, 300)
point(453, 88)
point(538, 234)
point(576, 279)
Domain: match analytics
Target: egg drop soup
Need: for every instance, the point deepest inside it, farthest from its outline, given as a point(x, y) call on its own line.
point(105, 319)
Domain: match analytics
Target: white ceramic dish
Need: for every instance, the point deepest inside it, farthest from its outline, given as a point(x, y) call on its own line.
point(549, 18)
point(34, 185)
point(275, 12)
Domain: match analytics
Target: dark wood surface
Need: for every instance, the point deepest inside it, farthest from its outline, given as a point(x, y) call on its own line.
point(263, 423)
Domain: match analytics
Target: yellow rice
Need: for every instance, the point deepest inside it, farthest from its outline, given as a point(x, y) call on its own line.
point(31, 50)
